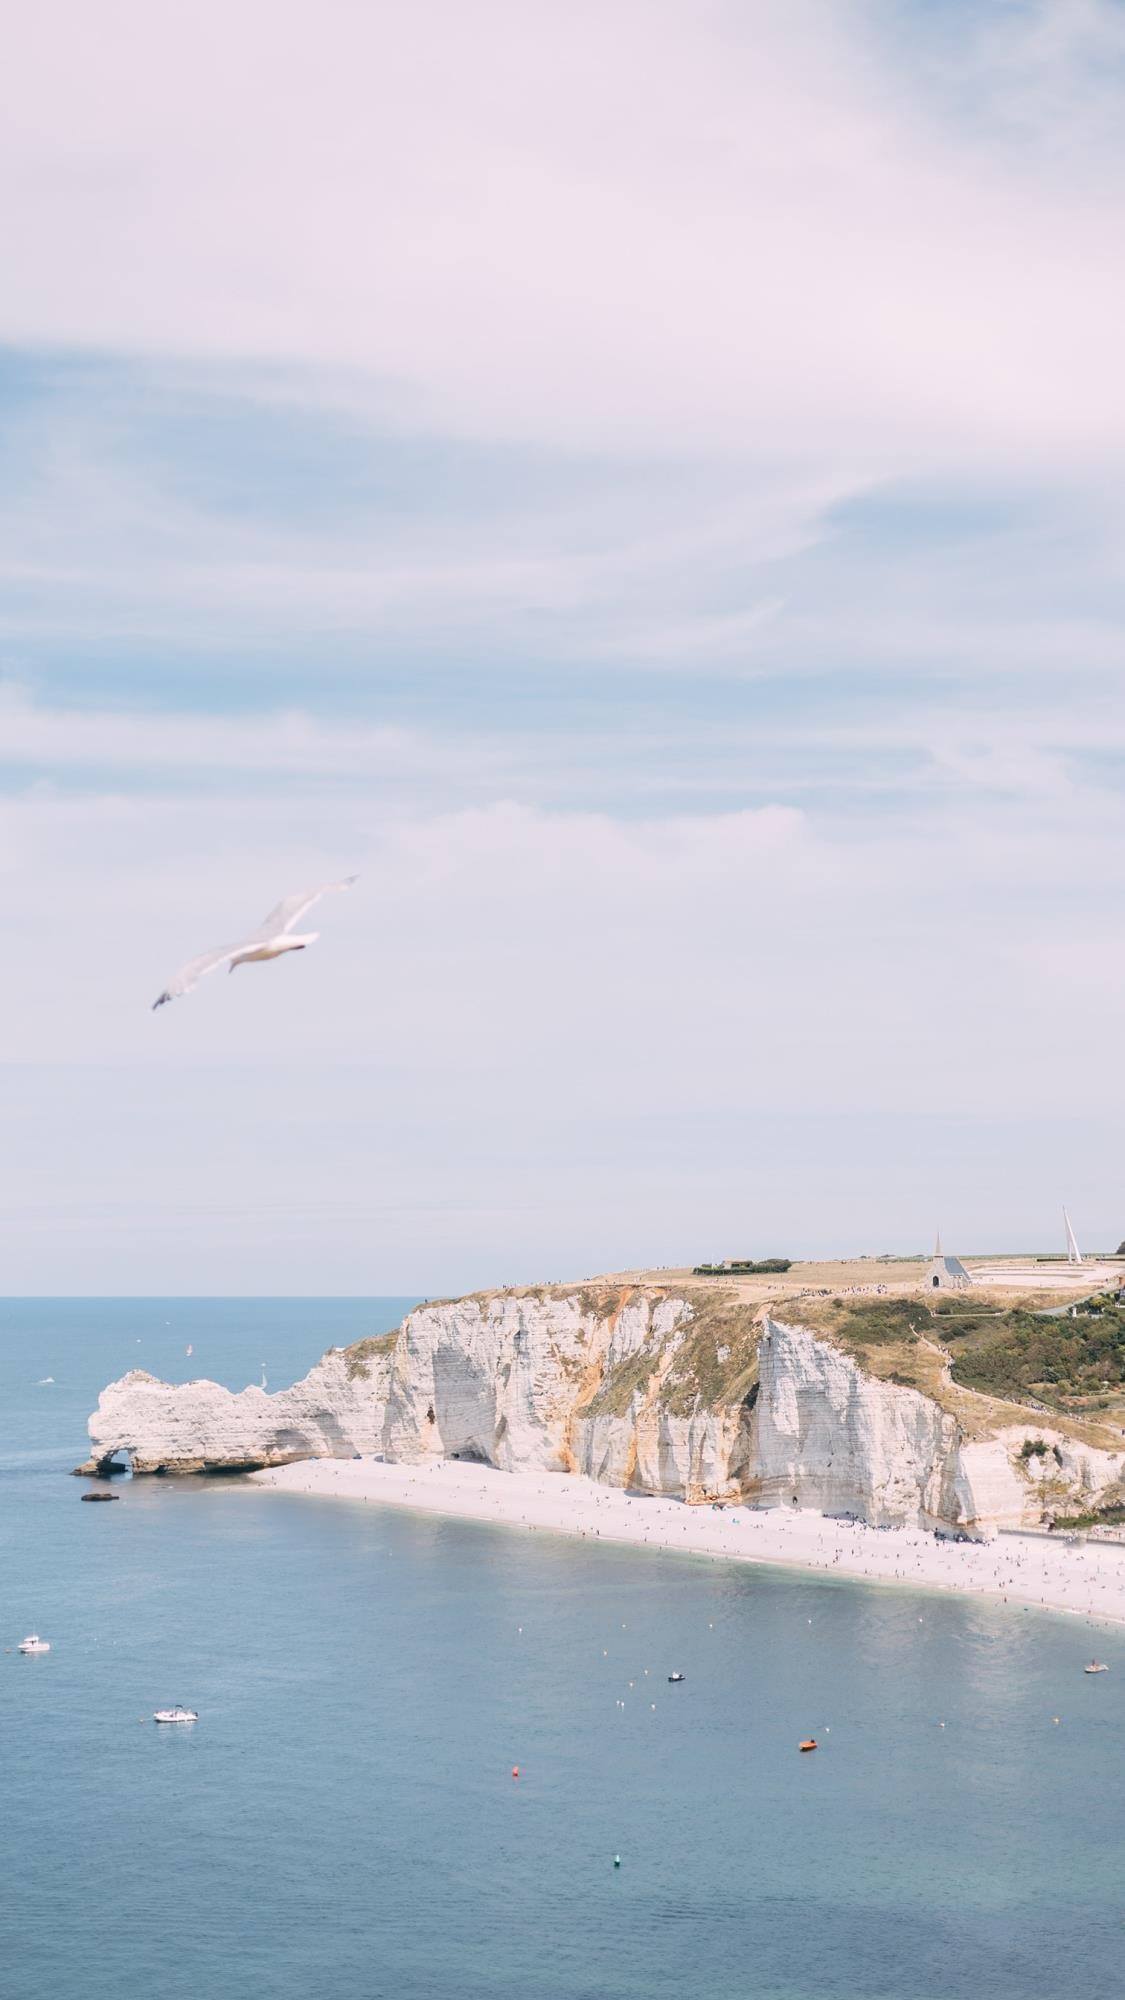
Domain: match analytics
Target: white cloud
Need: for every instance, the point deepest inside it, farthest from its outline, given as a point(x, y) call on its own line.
point(537, 1040)
point(100, 527)
point(722, 270)
point(637, 224)
point(1046, 752)
point(203, 748)
point(535, 1036)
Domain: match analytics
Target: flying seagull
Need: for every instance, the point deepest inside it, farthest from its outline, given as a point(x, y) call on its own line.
point(275, 936)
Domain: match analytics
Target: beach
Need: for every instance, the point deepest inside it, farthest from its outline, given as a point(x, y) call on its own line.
point(367, 1678)
point(1038, 1571)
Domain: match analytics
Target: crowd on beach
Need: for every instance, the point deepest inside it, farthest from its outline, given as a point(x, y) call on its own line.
point(1051, 1573)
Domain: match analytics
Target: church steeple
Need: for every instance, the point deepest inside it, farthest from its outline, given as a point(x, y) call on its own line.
point(945, 1271)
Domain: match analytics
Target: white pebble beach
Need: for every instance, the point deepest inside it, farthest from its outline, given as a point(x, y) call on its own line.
point(1084, 1579)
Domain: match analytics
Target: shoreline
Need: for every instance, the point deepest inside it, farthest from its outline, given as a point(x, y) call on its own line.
point(1041, 1575)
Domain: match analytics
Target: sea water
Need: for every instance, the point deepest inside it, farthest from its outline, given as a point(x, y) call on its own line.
point(343, 1818)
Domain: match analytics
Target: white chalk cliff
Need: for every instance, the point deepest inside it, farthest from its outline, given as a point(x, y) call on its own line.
point(692, 1396)
point(842, 1442)
point(333, 1412)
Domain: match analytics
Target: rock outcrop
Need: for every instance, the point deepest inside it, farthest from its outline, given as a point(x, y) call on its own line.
point(838, 1440)
point(335, 1411)
point(697, 1396)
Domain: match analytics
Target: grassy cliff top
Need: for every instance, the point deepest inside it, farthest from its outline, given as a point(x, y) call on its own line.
point(362, 1352)
point(707, 1362)
point(993, 1356)
point(990, 1360)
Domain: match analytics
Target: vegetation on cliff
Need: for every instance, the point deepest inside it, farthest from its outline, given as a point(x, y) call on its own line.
point(716, 1362)
point(1074, 1365)
point(361, 1352)
point(708, 1361)
point(743, 1267)
point(1060, 1361)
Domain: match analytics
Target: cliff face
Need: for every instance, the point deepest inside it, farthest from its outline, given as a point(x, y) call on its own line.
point(843, 1442)
point(496, 1378)
point(695, 1397)
point(335, 1411)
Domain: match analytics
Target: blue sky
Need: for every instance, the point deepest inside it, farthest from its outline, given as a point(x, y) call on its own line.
point(643, 485)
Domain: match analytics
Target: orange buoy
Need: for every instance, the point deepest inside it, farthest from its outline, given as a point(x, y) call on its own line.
point(515, 1770)
point(808, 1744)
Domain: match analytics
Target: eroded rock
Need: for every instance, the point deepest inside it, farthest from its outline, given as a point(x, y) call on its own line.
point(695, 1396)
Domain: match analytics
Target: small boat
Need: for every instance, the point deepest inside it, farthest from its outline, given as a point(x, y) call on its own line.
point(34, 1644)
point(1096, 1667)
point(675, 1677)
point(176, 1714)
point(808, 1744)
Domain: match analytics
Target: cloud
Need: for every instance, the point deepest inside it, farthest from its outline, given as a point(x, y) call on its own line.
point(143, 518)
point(148, 508)
point(639, 484)
point(633, 226)
point(533, 1036)
point(925, 762)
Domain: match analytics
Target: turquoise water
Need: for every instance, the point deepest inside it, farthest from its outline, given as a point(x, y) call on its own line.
point(343, 1821)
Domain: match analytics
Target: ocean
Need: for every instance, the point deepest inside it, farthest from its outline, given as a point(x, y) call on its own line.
point(343, 1819)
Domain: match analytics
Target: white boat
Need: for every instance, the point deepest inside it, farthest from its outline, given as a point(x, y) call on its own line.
point(176, 1714)
point(34, 1644)
point(1096, 1667)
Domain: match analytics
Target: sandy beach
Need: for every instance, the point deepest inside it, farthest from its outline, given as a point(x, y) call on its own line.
point(1086, 1580)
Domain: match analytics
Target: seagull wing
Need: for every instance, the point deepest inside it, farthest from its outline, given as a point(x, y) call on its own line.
point(292, 908)
point(189, 975)
point(280, 920)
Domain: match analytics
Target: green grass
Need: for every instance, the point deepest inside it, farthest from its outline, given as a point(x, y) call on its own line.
point(743, 1267)
point(1012, 1354)
point(866, 1323)
point(362, 1351)
point(714, 1366)
point(1053, 1360)
point(1104, 1517)
point(616, 1390)
point(717, 1363)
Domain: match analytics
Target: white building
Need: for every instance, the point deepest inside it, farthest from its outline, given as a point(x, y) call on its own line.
point(946, 1274)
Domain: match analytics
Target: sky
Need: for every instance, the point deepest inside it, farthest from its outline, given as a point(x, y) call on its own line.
point(641, 482)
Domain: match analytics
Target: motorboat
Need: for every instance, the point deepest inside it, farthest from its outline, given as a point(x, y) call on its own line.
point(1096, 1667)
point(809, 1743)
point(175, 1714)
point(34, 1644)
point(675, 1677)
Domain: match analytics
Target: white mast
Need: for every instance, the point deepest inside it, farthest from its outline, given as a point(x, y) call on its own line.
point(1073, 1253)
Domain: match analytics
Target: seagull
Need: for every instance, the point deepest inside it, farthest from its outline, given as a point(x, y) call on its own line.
point(273, 937)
